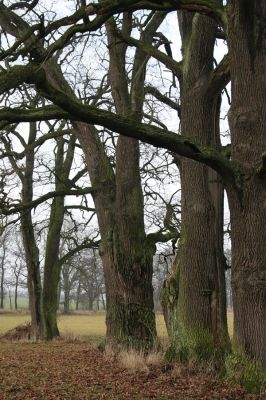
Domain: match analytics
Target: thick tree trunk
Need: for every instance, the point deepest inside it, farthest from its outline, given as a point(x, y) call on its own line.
point(247, 46)
point(195, 292)
point(130, 308)
point(52, 269)
point(50, 297)
point(30, 246)
point(52, 265)
point(34, 277)
point(127, 263)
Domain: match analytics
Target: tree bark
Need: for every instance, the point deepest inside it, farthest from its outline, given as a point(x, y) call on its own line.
point(247, 46)
point(194, 297)
point(30, 246)
point(130, 308)
point(52, 265)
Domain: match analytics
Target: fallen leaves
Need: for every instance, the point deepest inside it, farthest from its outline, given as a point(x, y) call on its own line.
point(77, 371)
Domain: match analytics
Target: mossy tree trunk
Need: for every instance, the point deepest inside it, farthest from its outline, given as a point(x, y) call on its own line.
point(247, 46)
point(30, 245)
point(195, 291)
point(130, 314)
point(52, 265)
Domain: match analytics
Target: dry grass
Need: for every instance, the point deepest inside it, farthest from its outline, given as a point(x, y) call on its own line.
point(87, 325)
point(136, 361)
point(10, 321)
point(155, 358)
point(133, 361)
point(91, 325)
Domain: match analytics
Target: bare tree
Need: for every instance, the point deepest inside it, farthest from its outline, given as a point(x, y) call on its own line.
point(4, 243)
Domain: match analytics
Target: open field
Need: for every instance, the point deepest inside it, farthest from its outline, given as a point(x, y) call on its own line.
point(85, 325)
point(89, 325)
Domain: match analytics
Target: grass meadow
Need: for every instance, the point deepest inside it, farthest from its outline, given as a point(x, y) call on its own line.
point(91, 325)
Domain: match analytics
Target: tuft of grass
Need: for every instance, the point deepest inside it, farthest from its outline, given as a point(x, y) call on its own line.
point(70, 337)
point(155, 358)
point(246, 372)
point(133, 361)
point(137, 361)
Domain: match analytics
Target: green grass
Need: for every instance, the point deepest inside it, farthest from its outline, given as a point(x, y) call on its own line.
point(91, 325)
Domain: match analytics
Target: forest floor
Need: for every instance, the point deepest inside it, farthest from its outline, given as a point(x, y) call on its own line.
point(75, 370)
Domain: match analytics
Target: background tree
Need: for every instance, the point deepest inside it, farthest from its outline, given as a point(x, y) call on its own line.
point(4, 239)
point(91, 279)
point(43, 298)
point(69, 277)
point(17, 266)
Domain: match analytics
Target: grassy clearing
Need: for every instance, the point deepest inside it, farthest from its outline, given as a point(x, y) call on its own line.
point(92, 325)
point(86, 325)
point(10, 321)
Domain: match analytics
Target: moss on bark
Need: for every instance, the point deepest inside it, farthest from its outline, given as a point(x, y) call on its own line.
point(133, 326)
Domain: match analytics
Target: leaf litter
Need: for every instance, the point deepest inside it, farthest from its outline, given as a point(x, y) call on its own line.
point(78, 371)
